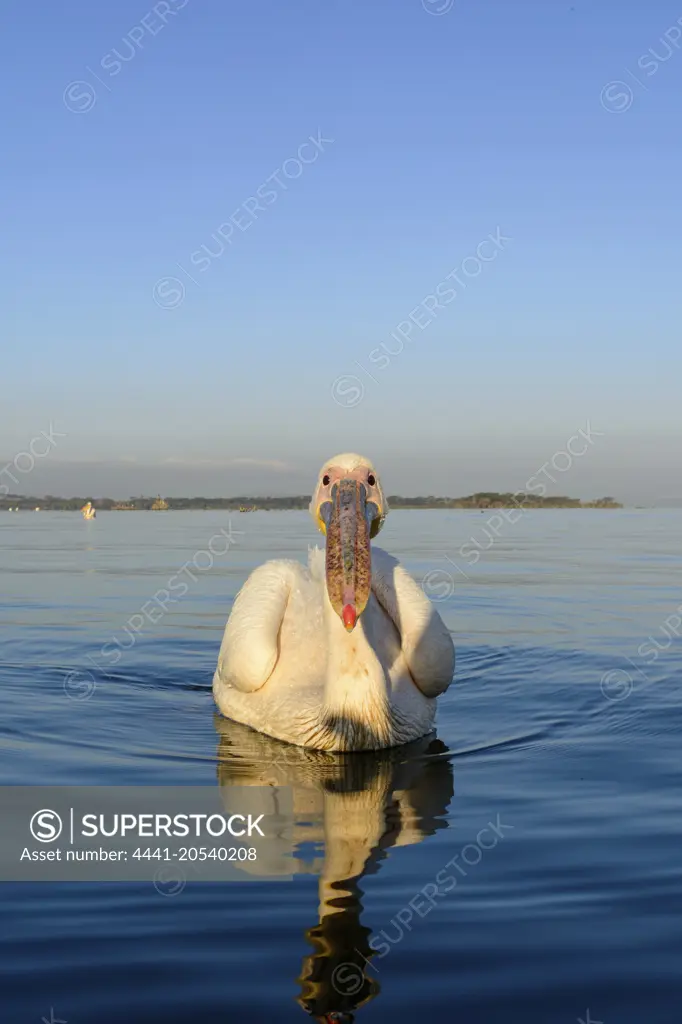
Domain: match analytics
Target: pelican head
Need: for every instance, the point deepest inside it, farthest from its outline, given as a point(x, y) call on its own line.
point(349, 507)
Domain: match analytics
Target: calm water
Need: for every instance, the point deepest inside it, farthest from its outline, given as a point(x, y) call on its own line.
point(557, 731)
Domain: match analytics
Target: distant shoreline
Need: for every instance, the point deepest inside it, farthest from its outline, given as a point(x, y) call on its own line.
point(482, 500)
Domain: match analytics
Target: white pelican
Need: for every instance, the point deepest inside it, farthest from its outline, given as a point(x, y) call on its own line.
point(347, 655)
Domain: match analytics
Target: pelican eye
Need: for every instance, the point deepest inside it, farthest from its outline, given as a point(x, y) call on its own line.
point(325, 479)
point(371, 480)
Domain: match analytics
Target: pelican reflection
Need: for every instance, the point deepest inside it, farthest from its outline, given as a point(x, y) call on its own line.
point(349, 811)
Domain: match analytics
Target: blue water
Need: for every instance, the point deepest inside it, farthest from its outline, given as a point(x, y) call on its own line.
point(558, 732)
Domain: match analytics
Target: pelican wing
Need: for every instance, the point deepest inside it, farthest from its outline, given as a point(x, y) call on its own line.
point(425, 641)
point(250, 648)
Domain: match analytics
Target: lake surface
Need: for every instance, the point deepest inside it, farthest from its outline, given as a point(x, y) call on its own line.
point(552, 788)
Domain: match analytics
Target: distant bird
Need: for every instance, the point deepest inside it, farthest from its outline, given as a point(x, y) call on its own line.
point(345, 654)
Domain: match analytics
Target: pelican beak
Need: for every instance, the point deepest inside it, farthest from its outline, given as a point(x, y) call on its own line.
point(348, 520)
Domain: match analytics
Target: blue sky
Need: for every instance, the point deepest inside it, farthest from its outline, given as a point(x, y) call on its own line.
point(446, 128)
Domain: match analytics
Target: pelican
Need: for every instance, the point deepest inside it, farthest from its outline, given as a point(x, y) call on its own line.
point(346, 653)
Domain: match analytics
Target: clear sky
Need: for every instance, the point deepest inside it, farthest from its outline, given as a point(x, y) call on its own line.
point(133, 130)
